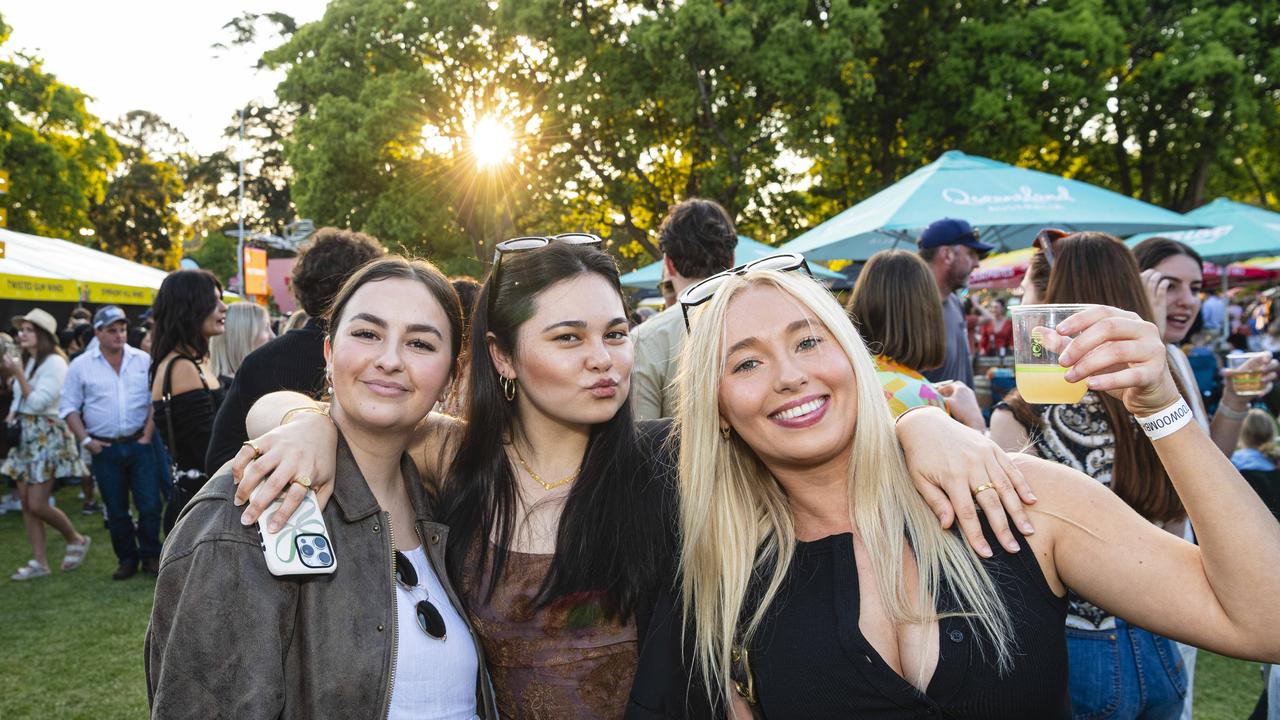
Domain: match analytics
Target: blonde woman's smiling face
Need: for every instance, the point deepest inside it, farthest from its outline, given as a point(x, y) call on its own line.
point(788, 388)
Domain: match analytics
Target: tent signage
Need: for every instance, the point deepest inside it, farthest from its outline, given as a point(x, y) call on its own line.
point(18, 287)
point(108, 293)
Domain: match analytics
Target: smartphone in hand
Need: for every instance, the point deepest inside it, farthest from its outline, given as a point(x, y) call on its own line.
point(302, 545)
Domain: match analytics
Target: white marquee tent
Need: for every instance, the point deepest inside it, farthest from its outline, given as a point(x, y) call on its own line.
point(40, 268)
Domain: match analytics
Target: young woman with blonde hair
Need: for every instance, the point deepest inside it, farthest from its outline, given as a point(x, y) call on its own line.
point(248, 327)
point(815, 583)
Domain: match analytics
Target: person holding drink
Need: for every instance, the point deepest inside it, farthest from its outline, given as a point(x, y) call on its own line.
point(1057, 420)
point(1173, 275)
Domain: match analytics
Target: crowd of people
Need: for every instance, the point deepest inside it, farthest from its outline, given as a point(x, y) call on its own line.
point(759, 501)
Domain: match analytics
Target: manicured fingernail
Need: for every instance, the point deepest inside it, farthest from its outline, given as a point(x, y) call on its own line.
point(985, 551)
point(1012, 546)
point(1032, 496)
point(274, 526)
point(245, 519)
point(1028, 528)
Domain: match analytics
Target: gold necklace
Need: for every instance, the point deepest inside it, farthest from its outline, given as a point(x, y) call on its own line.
point(538, 478)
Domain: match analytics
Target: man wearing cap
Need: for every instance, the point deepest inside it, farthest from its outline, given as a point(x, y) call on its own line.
point(106, 401)
point(952, 251)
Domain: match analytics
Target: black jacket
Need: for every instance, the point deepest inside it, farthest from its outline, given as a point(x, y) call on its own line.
point(293, 361)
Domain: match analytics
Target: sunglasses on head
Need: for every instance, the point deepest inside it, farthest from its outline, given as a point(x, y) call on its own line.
point(533, 242)
point(704, 290)
point(1047, 240)
point(429, 618)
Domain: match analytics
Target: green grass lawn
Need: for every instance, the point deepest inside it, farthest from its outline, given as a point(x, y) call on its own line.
point(71, 643)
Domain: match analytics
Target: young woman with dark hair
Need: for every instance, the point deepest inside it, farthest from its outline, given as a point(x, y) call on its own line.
point(558, 503)
point(383, 635)
point(185, 392)
point(1098, 437)
point(45, 449)
point(1173, 274)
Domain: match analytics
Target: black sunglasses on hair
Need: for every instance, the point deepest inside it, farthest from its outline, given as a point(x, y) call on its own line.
point(533, 242)
point(704, 290)
point(429, 618)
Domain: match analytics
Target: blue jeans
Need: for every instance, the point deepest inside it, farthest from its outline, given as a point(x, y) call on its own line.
point(1124, 674)
point(120, 469)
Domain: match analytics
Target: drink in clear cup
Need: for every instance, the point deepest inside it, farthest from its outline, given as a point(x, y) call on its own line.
point(1250, 383)
point(1039, 376)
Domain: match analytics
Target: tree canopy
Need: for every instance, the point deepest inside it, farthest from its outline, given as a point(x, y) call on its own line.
point(443, 126)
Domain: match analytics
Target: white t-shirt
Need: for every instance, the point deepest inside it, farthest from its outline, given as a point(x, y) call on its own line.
point(434, 679)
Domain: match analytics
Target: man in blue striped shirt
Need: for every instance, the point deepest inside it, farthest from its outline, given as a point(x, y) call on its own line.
point(106, 401)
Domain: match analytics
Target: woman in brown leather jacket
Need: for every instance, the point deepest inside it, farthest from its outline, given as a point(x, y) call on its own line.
point(384, 634)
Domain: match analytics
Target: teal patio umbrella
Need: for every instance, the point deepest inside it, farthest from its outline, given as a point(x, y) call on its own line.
point(1231, 232)
point(1009, 205)
point(650, 275)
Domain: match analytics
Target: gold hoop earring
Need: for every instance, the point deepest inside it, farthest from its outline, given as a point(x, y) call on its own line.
point(508, 387)
point(725, 432)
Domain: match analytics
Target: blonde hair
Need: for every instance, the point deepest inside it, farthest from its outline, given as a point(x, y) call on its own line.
point(736, 522)
point(245, 322)
point(1258, 431)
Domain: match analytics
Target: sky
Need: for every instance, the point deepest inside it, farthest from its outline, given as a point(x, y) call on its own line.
point(152, 55)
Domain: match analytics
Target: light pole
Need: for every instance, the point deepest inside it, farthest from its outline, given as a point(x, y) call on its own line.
point(240, 209)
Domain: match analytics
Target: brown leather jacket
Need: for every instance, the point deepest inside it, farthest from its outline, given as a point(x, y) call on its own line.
point(228, 639)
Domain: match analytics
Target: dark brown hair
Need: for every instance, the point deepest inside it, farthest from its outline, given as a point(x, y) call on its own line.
point(46, 345)
point(396, 267)
point(895, 307)
point(698, 237)
point(1153, 251)
point(1093, 267)
point(325, 263)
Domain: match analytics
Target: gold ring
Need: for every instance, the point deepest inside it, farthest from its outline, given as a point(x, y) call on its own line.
point(257, 452)
point(980, 488)
point(302, 480)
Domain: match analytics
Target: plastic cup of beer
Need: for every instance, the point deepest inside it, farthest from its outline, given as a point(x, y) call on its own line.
point(1248, 384)
point(1036, 370)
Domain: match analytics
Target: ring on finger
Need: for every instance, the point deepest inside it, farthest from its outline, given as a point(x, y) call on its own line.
point(302, 480)
point(984, 486)
point(257, 451)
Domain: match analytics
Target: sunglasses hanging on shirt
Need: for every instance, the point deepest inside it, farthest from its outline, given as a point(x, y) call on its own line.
point(429, 618)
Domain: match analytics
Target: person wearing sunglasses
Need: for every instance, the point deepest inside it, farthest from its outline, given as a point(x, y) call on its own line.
point(1097, 437)
point(560, 504)
point(814, 583)
point(383, 635)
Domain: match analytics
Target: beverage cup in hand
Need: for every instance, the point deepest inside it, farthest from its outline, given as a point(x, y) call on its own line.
point(1248, 384)
point(1039, 376)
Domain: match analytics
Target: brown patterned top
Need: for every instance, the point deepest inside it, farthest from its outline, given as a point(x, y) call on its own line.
point(566, 660)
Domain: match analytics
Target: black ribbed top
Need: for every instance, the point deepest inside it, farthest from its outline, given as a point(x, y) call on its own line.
point(809, 660)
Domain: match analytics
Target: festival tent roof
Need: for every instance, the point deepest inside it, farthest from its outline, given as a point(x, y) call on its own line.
point(1008, 204)
point(650, 275)
point(1231, 232)
point(40, 268)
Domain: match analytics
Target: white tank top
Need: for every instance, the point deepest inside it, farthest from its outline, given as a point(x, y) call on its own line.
point(434, 679)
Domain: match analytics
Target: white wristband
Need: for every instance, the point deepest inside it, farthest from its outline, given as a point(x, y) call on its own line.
point(85, 442)
point(1168, 421)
